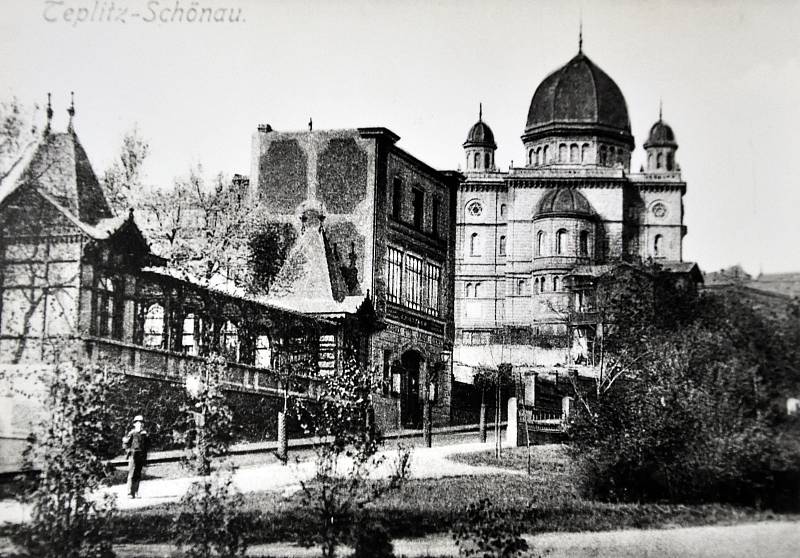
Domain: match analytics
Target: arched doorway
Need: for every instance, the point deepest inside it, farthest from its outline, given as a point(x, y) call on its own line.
point(410, 403)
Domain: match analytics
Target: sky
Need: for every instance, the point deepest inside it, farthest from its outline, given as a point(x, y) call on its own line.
point(728, 73)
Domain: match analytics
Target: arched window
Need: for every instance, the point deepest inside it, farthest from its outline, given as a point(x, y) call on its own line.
point(584, 153)
point(188, 340)
point(229, 341)
point(603, 155)
point(660, 161)
point(521, 287)
point(477, 290)
point(573, 153)
point(562, 153)
point(541, 238)
point(530, 157)
point(153, 326)
point(658, 246)
point(503, 210)
point(502, 247)
point(546, 155)
point(487, 161)
point(561, 241)
point(542, 284)
point(584, 243)
point(468, 292)
point(473, 244)
point(476, 160)
point(612, 156)
point(649, 160)
point(538, 156)
point(556, 283)
point(263, 352)
point(670, 161)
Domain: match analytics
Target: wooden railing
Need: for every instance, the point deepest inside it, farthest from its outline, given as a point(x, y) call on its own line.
point(158, 363)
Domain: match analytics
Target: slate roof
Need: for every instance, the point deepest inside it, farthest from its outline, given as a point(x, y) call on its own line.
point(563, 201)
point(480, 135)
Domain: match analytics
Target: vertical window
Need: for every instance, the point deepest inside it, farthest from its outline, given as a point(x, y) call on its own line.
point(394, 270)
point(419, 207)
point(561, 241)
point(477, 290)
point(487, 161)
point(530, 157)
point(556, 283)
point(502, 248)
point(476, 161)
point(154, 326)
point(658, 246)
point(387, 373)
point(546, 155)
point(413, 283)
point(502, 210)
point(670, 161)
point(229, 342)
point(660, 161)
point(573, 153)
point(109, 308)
point(432, 275)
point(469, 292)
point(435, 215)
point(263, 352)
point(188, 341)
point(397, 198)
point(562, 153)
point(584, 153)
point(473, 244)
point(542, 284)
point(584, 243)
point(603, 155)
point(521, 287)
point(649, 161)
point(541, 237)
point(538, 156)
point(612, 156)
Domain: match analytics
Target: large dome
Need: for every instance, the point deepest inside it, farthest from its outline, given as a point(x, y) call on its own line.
point(578, 98)
point(563, 202)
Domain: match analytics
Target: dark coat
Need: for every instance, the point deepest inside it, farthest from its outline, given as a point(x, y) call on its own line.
point(136, 442)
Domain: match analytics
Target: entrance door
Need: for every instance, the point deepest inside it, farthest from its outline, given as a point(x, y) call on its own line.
point(410, 408)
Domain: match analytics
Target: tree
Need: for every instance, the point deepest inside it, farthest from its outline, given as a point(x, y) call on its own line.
point(70, 518)
point(210, 522)
point(17, 129)
point(495, 379)
point(268, 248)
point(122, 181)
point(344, 457)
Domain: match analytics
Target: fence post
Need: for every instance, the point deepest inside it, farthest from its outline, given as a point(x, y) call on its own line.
point(513, 420)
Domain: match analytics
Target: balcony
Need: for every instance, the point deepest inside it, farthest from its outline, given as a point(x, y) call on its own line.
point(150, 362)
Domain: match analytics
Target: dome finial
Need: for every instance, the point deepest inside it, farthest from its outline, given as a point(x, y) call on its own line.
point(71, 109)
point(480, 112)
point(580, 35)
point(660, 109)
point(310, 124)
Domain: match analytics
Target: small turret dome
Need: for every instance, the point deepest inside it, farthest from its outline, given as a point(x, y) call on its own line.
point(564, 202)
point(480, 135)
point(661, 135)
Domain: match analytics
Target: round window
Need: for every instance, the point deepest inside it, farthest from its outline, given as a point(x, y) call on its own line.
point(474, 208)
point(659, 210)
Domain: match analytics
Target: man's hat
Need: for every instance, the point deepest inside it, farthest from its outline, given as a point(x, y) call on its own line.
point(138, 418)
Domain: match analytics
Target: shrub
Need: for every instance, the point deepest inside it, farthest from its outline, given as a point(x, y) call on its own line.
point(488, 532)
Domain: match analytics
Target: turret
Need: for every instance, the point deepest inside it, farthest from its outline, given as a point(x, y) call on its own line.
point(480, 146)
point(661, 147)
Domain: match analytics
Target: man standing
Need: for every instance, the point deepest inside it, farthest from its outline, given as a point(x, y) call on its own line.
point(136, 443)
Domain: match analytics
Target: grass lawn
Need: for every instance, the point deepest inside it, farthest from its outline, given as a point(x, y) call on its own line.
point(548, 500)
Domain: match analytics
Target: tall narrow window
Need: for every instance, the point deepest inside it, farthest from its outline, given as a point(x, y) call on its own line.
point(585, 153)
point(432, 276)
point(468, 291)
point(546, 155)
point(584, 243)
point(476, 161)
point(263, 352)
point(435, 216)
point(530, 157)
point(413, 293)
point(521, 287)
point(561, 241)
point(502, 210)
point(229, 342)
point(502, 248)
point(477, 290)
point(660, 161)
point(556, 283)
point(658, 246)
point(394, 273)
point(487, 161)
point(154, 326)
point(603, 155)
point(538, 156)
point(670, 162)
point(109, 308)
point(474, 249)
point(562, 153)
point(419, 207)
point(397, 198)
point(541, 237)
point(188, 340)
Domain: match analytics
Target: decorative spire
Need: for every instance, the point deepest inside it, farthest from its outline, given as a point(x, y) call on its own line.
point(480, 112)
point(580, 35)
point(49, 114)
point(310, 124)
point(71, 109)
point(660, 109)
